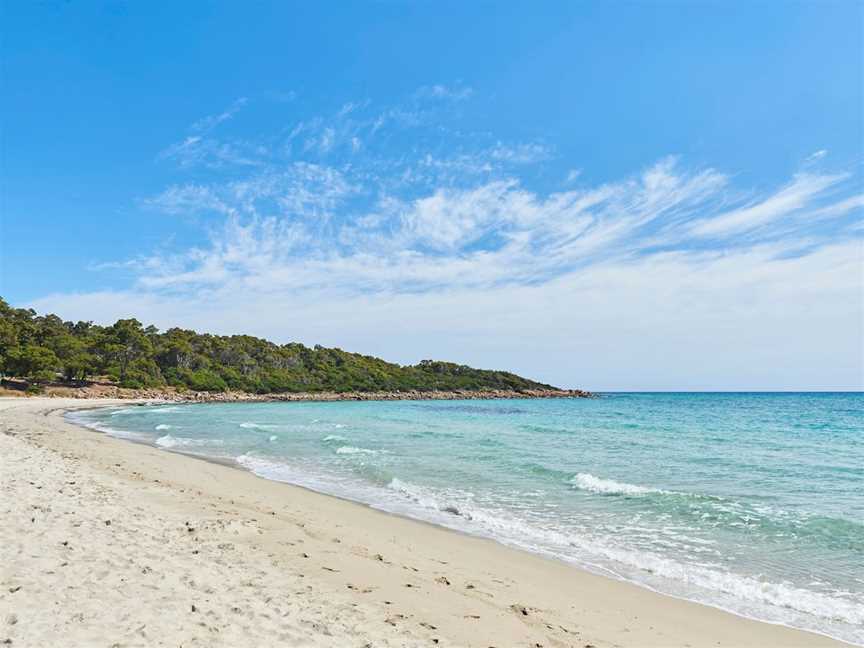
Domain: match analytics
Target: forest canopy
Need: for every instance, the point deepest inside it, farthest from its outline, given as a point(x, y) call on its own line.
point(44, 348)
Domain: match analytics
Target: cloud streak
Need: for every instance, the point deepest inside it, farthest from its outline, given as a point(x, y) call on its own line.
point(796, 195)
point(311, 221)
point(393, 216)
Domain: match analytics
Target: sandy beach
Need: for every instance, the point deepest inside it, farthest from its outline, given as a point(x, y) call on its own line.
point(105, 542)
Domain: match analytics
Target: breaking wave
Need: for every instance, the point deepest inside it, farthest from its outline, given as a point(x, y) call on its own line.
point(333, 437)
point(169, 441)
point(345, 450)
point(588, 482)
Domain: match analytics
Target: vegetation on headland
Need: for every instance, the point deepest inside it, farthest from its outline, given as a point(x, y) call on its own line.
point(44, 349)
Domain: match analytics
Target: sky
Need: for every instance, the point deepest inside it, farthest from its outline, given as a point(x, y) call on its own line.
point(604, 195)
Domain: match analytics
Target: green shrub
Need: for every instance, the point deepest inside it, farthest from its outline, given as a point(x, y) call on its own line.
point(204, 380)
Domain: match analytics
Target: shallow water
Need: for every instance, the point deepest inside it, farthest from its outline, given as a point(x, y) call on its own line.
point(750, 502)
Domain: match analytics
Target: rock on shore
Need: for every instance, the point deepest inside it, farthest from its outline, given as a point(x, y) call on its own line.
point(113, 391)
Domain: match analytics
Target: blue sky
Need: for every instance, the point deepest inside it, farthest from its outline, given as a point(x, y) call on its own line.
point(662, 195)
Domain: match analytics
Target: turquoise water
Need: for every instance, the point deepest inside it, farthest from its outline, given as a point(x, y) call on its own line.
point(750, 502)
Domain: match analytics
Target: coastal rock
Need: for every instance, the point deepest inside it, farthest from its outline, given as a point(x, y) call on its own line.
point(169, 395)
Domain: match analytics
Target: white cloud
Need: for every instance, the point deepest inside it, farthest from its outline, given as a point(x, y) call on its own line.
point(189, 199)
point(818, 155)
point(791, 198)
point(448, 220)
point(300, 190)
point(201, 148)
point(333, 234)
point(309, 224)
point(520, 153)
point(439, 91)
point(210, 152)
point(323, 143)
point(840, 208)
point(208, 123)
point(752, 320)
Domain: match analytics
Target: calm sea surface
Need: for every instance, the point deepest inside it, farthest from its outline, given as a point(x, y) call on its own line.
point(750, 502)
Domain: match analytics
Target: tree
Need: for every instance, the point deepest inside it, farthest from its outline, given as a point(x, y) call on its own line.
point(75, 360)
point(38, 346)
point(125, 342)
point(8, 341)
point(34, 362)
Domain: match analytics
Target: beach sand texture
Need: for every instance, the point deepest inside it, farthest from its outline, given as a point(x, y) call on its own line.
point(104, 542)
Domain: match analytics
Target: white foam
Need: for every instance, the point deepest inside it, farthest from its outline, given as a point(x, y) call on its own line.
point(334, 437)
point(257, 426)
point(273, 437)
point(99, 427)
point(301, 475)
point(146, 409)
point(163, 426)
point(588, 482)
point(344, 450)
point(785, 601)
point(428, 499)
point(169, 441)
point(778, 602)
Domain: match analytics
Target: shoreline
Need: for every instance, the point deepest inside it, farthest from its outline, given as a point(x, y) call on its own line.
point(102, 391)
point(602, 572)
point(539, 600)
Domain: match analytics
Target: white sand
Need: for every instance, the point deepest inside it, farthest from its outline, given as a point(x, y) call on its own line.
point(109, 543)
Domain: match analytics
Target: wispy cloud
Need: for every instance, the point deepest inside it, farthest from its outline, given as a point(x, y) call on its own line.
point(339, 206)
point(818, 155)
point(299, 190)
point(206, 124)
point(203, 148)
point(572, 176)
point(398, 209)
point(457, 92)
point(311, 224)
point(796, 195)
point(197, 150)
point(189, 199)
point(839, 208)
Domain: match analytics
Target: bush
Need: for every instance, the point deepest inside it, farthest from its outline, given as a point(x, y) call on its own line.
point(204, 380)
point(142, 373)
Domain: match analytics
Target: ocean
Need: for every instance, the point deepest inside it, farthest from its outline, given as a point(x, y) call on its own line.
point(750, 502)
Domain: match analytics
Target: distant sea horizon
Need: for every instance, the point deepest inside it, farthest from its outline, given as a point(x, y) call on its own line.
point(751, 501)
point(850, 390)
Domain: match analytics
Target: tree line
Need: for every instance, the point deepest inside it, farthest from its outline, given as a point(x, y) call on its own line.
point(44, 348)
